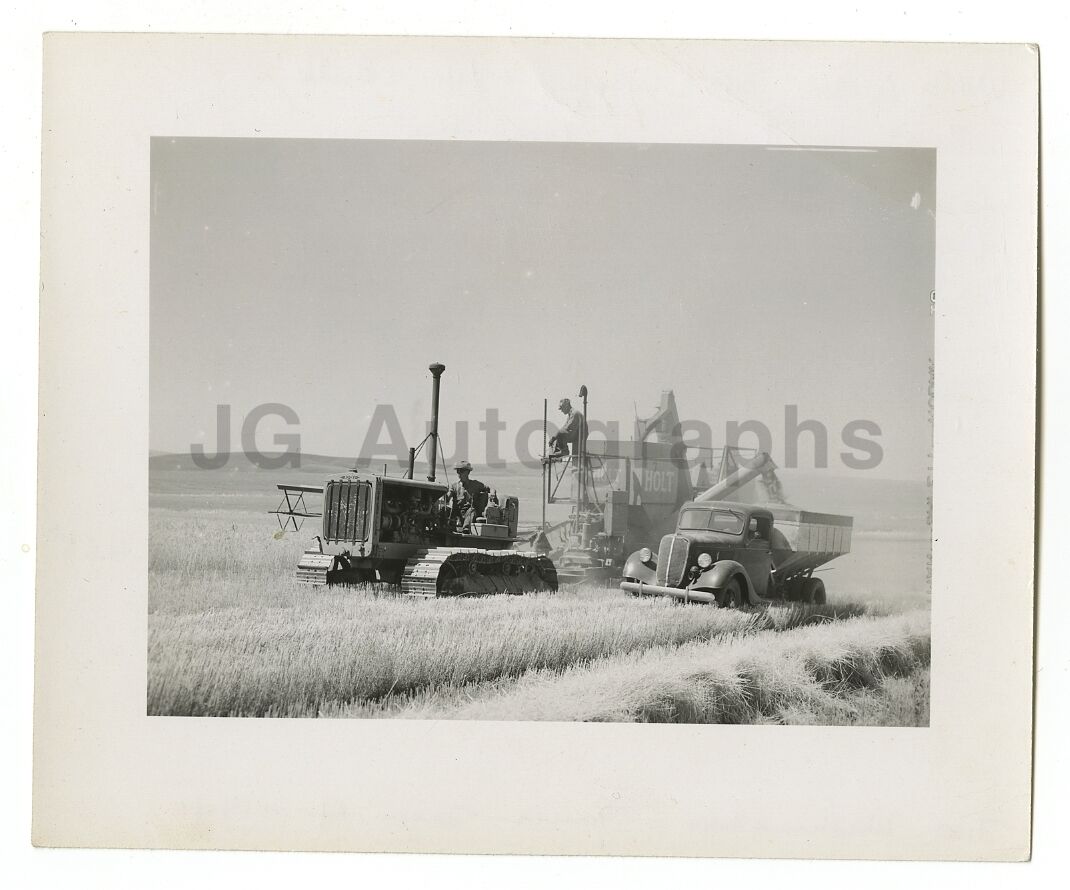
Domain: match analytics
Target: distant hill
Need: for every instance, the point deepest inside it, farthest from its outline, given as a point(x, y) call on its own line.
point(318, 463)
point(889, 505)
point(877, 505)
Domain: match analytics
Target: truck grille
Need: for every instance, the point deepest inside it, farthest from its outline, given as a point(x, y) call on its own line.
point(672, 560)
point(345, 511)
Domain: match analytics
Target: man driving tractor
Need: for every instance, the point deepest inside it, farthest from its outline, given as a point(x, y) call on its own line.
point(467, 497)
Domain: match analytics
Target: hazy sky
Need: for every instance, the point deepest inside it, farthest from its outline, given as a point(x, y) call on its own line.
point(327, 275)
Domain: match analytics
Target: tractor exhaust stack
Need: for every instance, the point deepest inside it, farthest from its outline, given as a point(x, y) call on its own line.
point(436, 371)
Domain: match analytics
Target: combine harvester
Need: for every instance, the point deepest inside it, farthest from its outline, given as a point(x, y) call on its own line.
point(626, 494)
point(734, 554)
point(400, 531)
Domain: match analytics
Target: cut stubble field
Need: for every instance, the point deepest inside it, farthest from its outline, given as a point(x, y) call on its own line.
point(231, 634)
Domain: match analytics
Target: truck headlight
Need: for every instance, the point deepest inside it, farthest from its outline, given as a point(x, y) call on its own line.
point(645, 555)
point(704, 560)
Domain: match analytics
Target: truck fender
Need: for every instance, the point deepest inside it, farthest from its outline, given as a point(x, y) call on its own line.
point(720, 573)
point(638, 570)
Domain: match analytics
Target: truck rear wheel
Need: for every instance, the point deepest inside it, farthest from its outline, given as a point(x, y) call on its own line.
point(729, 597)
point(813, 592)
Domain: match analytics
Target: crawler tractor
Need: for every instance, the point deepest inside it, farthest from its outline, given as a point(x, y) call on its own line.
point(401, 531)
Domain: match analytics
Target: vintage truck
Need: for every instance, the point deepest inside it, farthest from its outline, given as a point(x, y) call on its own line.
point(733, 554)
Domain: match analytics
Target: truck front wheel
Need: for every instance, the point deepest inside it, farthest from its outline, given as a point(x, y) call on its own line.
point(729, 597)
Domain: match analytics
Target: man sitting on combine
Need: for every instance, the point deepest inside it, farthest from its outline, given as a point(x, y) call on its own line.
point(467, 497)
point(570, 432)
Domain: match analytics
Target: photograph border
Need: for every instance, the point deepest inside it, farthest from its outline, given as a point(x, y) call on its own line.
point(106, 775)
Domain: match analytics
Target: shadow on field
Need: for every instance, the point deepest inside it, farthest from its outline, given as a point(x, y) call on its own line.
point(864, 671)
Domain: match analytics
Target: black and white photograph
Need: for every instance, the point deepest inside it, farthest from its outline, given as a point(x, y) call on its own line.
point(536, 446)
point(541, 431)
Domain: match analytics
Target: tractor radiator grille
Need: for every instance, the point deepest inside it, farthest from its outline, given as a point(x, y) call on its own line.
point(345, 511)
point(672, 560)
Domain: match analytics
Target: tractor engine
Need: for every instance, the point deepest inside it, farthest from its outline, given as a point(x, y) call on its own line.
point(410, 515)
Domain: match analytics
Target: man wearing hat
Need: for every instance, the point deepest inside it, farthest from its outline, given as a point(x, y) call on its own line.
point(570, 432)
point(467, 497)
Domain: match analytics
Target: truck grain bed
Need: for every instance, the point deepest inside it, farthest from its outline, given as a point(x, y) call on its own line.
point(805, 540)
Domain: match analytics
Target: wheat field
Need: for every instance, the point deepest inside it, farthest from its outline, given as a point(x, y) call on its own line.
point(231, 634)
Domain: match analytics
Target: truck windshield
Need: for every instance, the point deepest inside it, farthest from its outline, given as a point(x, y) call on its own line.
point(723, 521)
